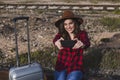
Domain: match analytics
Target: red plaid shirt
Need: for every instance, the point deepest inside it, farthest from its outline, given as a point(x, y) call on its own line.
point(71, 59)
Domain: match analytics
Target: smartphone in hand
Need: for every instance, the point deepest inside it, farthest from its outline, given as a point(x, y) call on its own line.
point(68, 43)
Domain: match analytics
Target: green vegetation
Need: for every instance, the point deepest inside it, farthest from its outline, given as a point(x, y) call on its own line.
point(110, 0)
point(117, 11)
point(102, 59)
point(104, 1)
point(27, 1)
point(45, 58)
point(93, 1)
point(110, 60)
point(95, 58)
point(69, 1)
point(111, 23)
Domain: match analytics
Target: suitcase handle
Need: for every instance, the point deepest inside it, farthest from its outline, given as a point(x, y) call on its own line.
point(15, 30)
point(20, 18)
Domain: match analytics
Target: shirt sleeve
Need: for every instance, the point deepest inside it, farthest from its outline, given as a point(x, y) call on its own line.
point(57, 36)
point(84, 38)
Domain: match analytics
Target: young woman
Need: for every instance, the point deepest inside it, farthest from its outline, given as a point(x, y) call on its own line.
point(69, 64)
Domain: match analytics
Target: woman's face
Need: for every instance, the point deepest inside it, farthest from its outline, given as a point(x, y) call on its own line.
point(69, 25)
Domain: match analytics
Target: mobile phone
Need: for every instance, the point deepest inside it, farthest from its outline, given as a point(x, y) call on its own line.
point(68, 43)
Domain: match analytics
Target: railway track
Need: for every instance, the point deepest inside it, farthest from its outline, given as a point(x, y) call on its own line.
point(42, 6)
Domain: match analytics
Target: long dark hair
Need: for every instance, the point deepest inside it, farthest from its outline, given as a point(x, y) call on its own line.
point(64, 33)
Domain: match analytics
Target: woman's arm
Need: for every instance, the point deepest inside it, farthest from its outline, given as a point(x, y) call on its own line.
point(57, 36)
point(57, 41)
point(83, 36)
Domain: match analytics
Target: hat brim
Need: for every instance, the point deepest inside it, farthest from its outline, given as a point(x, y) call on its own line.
point(58, 22)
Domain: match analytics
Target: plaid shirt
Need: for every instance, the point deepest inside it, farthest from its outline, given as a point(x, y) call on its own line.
point(71, 59)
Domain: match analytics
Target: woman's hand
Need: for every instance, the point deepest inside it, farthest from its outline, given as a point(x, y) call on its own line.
point(78, 44)
point(58, 43)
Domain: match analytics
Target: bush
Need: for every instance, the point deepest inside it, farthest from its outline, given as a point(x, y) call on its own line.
point(110, 60)
point(97, 58)
point(111, 23)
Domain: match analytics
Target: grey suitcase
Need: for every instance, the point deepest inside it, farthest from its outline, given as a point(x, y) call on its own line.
point(31, 71)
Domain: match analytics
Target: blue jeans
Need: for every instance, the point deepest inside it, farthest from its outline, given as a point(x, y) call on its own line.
point(62, 75)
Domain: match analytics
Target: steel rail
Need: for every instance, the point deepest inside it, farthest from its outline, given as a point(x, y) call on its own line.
point(97, 7)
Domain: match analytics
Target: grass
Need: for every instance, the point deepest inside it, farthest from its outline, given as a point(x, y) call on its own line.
point(111, 23)
point(110, 0)
point(117, 11)
point(45, 58)
point(95, 58)
point(27, 1)
point(111, 60)
point(93, 1)
point(102, 59)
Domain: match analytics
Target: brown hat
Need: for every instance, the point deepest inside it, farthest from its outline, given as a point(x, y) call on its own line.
point(67, 14)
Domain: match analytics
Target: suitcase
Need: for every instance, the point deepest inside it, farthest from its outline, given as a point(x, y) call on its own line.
point(30, 71)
